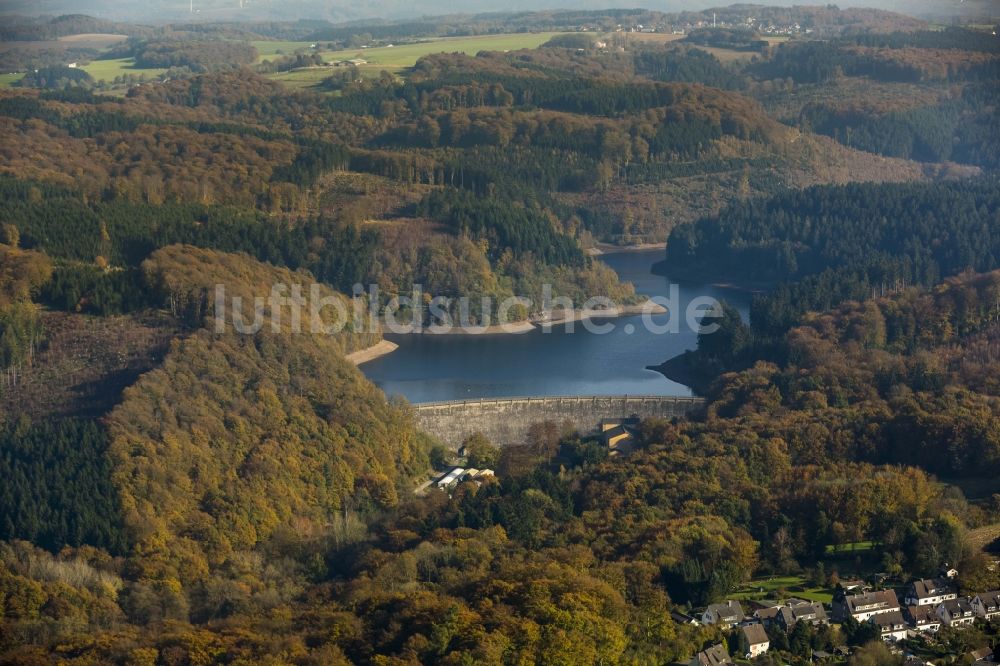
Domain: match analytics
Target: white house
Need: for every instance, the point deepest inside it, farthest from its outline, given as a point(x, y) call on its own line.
point(930, 592)
point(892, 626)
point(754, 641)
point(863, 607)
point(957, 612)
point(728, 614)
point(987, 605)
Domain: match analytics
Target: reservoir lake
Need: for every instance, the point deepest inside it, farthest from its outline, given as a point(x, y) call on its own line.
point(553, 362)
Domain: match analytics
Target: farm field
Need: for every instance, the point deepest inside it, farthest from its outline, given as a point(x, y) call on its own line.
point(108, 70)
point(7, 80)
point(92, 40)
point(405, 55)
point(396, 58)
point(724, 55)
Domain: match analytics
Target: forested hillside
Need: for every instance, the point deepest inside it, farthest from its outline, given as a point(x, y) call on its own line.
point(178, 490)
point(585, 563)
point(829, 244)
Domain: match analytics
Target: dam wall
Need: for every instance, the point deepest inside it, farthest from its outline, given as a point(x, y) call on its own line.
point(505, 421)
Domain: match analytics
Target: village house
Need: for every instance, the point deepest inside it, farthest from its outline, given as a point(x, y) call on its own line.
point(930, 592)
point(728, 614)
point(892, 626)
point(863, 607)
point(753, 641)
point(982, 657)
point(956, 612)
point(717, 655)
point(800, 610)
point(923, 618)
point(768, 615)
point(987, 605)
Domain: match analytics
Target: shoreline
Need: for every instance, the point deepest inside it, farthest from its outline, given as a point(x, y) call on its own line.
point(679, 369)
point(620, 311)
point(607, 248)
point(528, 325)
point(377, 350)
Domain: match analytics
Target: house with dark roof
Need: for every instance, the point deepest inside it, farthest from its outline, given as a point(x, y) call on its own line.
point(982, 655)
point(922, 618)
point(753, 641)
point(717, 655)
point(987, 605)
point(728, 614)
point(957, 612)
point(767, 616)
point(800, 610)
point(930, 592)
point(863, 607)
point(892, 626)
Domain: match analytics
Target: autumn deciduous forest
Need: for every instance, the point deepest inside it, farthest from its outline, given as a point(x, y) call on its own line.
point(175, 493)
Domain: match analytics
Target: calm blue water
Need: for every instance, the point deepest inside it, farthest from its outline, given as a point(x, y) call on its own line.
point(452, 367)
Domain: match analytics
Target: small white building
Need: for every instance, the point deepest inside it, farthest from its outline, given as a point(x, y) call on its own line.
point(892, 626)
point(754, 641)
point(728, 614)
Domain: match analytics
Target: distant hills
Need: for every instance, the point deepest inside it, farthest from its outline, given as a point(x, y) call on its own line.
point(341, 10)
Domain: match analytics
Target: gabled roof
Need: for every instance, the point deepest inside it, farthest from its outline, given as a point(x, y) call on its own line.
point(960, 606)
point(618, 430)
point(982, 653)
point(713, 656)
point(922, 615)
point(768, 613)
point(932, 587)
point(990, 599)
point(810, 610)
point(870, 601)
point(886, 620)
point(728, 610)
point(755, 634)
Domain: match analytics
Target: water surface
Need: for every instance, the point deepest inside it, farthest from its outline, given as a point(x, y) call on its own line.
point(453, 367)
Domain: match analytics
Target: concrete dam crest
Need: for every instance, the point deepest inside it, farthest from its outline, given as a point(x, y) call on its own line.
point(505, 421)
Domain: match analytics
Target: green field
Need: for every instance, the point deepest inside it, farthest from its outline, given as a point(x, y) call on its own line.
point(108, 70)
point(396, 58)
point(793, 586)
point(6, 80)
point(849, 548)
point(405, 55)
